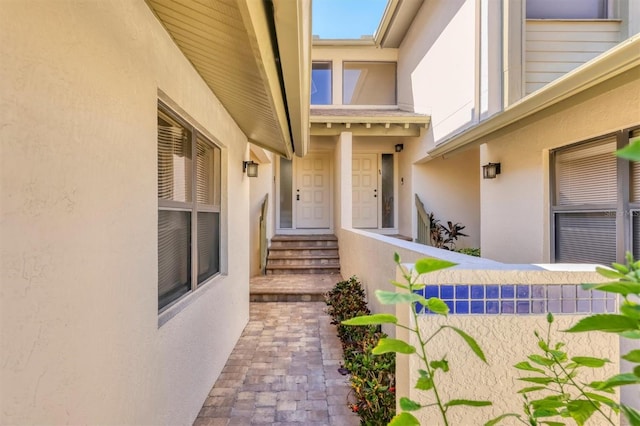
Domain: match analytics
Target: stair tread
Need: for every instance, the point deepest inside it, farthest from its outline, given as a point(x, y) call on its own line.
point(320, 237)
point(306, 256)
point(303, 248)
point(325, 266)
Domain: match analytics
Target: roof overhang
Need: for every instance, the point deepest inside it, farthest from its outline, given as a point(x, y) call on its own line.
point(622, 58)
point(366, 122)
point(255, 57)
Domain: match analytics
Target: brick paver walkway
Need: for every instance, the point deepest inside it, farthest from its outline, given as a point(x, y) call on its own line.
point(283, 371)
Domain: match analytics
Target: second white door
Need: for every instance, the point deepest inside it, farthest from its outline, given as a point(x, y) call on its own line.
point(365, 190)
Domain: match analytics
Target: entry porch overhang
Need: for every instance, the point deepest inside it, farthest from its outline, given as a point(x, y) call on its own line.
point(367, 122)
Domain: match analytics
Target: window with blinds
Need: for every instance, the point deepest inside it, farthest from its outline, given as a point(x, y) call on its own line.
point(596, 201)
point(188, 208)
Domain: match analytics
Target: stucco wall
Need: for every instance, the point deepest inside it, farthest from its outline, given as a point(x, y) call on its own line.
point(428, 71)
point(450, 188)
point(515, 206)
point(260, 187)
point(80, 337)
point(505, 339)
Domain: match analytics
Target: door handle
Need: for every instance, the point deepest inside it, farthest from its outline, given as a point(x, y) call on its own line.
point(375, 193)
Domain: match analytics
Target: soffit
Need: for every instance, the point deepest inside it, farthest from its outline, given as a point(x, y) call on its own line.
point(229, 43)
point(367, 122)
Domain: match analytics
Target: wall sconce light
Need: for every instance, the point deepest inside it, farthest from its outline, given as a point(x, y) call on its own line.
point(250, 168)
point(490, 170)
point(399, 147)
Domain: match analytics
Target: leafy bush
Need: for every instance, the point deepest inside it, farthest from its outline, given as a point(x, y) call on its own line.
point(372, 377)
point(469, 251)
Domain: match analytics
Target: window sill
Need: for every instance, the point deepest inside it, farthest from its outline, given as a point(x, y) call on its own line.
point(179, 305)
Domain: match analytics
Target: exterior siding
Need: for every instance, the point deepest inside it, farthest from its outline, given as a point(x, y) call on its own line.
point(554, 47)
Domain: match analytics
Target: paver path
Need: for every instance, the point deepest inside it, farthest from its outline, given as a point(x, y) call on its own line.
point(283, 371)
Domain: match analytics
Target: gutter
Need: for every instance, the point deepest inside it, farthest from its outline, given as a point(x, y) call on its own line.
point(610, 64)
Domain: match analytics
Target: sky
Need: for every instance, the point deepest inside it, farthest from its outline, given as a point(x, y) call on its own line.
point(346, 18)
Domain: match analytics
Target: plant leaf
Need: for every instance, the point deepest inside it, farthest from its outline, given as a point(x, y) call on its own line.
point(624, 288)
point(371, 320)
point(550, 423)
point(617, 380)
point(404, 419)
point(408, 405)
point(540, 360)
point(396, 257)
point(393, 298)
point(607, 401)
point(531, 389)
point(630, 152)
point(468, 402)
point(538, 380)
point(524, 365)
point(498, 419)
point(470, 341)
point(386, 345)
point(609, 273)
point(588, 361)
point(580, 410)
point(424, 383)
point(424, 266)
point(442, 364)
point(437, 306)
point(608, 323)
point(400, 285)
point(632, 311)
point(631, 414)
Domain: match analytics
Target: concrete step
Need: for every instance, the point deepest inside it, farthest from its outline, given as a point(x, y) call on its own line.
point(304, 260)
point(304, 243)
point(303, 251)
point(302, 269)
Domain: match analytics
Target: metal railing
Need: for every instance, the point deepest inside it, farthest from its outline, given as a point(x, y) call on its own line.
point(424, 224)
point(263, 235)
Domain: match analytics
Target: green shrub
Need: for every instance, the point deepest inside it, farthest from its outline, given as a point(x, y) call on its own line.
point(469, 251)
point(372, 377)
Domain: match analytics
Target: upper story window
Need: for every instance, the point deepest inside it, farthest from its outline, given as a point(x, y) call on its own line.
point(369, 83)
point(188, 208)
point(567, 9)
point(321, 83)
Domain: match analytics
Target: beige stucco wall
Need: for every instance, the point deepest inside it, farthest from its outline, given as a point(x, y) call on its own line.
point(428, 71)
point(261, 186)
point(515, 205)
point(449, 187)
point(505, 340)
point(79, 333)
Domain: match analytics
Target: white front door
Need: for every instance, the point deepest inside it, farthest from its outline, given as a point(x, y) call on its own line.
point(312, 192)
point(365, 190)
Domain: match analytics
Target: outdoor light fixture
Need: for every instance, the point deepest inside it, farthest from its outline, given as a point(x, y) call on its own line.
point(490, 170)
point(250, 168)
point(399, 147)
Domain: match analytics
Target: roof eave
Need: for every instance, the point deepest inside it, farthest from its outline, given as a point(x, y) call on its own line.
point(293, 29)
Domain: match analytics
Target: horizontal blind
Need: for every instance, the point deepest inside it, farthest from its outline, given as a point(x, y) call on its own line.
point(635, 170)
point(207, 172)
point(174, 255)
point(586, 237)
point(586, 174)
point(635, 228)
point(174, 164)
point(208, 245)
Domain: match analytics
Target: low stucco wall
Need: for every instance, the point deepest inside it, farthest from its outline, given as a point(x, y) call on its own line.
point(79, 328)
point(369, 256)
point(506, 339)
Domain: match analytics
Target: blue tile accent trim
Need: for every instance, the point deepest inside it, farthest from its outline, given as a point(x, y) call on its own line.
point(519, 299)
